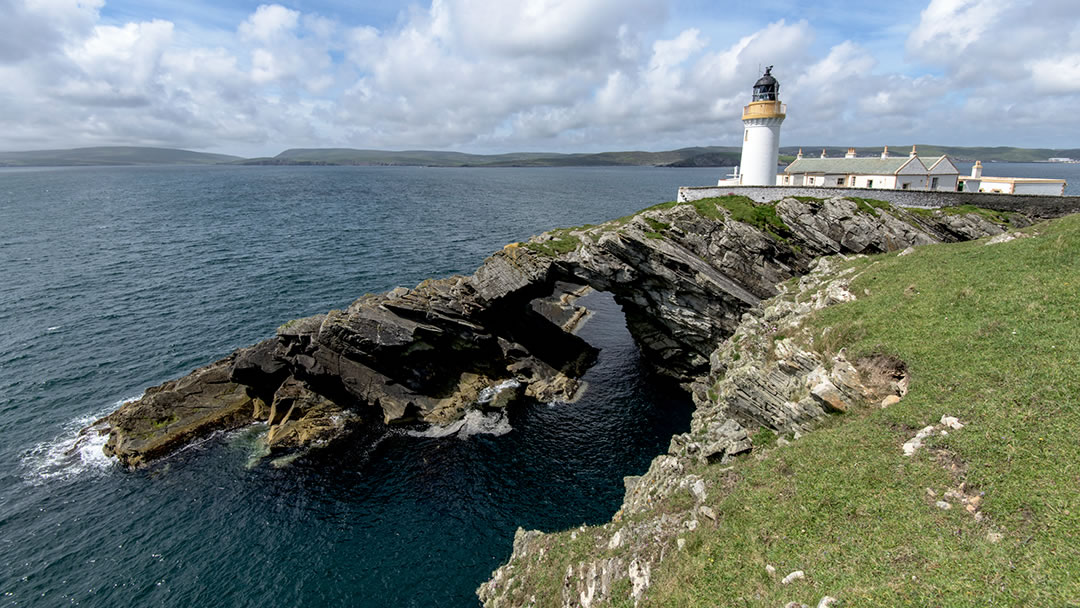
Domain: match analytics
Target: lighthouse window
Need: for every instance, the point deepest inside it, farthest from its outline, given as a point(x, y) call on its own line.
point(746, 135)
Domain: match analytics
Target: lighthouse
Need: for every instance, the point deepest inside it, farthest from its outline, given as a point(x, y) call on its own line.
point(761, 132)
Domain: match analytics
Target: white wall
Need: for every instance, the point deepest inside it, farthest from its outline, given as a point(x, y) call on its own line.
point(760, 151)
point(946, 183)
point(875, 181)
point(1039, 188)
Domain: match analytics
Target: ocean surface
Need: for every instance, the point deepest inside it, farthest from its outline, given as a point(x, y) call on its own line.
point(117, 279)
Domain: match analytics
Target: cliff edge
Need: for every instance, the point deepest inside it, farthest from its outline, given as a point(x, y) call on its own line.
point(684, 274)
point(939, 385)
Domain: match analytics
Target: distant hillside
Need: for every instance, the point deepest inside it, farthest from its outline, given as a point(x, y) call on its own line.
point(996, 154)
point(110, 155)
point(702, 156)
point(685, 157)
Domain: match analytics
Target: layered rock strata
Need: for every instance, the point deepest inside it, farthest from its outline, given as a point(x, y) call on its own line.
point(755, 381)
point(684, 275)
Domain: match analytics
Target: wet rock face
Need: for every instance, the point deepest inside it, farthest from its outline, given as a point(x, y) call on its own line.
point(177, 412)
point(683, 277)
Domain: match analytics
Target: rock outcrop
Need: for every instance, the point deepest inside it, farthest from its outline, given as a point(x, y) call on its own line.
point(684, 274)
point(755, 381)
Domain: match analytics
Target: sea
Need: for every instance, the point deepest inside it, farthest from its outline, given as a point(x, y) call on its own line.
point(115, 279)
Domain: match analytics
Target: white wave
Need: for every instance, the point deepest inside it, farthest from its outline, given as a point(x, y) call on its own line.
point(475, 422)
point(487, 395)
point(76, 451)
point(439, 430)
point(53, 328)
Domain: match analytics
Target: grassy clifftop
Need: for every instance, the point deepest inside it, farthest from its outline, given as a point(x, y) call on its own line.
point(986, 514)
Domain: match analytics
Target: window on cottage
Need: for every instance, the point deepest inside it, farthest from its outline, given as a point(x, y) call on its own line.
point(904, 186)
point(852, 181)
point(933, 183)
point(869, 183)
point(839, 181)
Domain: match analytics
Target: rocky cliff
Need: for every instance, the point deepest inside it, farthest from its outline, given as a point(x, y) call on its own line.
point(758, 379)
point(684, 274)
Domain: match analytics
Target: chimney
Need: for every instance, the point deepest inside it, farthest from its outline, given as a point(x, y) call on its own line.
point(850, 153)
point(913, 152)
point(799, 155)
point(976, 171)
point(823, 153)
point(885, 152)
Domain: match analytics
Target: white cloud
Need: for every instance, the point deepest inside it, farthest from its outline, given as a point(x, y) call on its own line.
point(528, 74)
point(948, 27)
point(269, 23)
point(33, 28)
point(1056, 75)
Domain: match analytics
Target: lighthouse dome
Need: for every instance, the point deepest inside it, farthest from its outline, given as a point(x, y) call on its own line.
point(766, 88)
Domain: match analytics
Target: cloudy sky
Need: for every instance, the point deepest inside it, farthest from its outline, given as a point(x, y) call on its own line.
point(532, 75)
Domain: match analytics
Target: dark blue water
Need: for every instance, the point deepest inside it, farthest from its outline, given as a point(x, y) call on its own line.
point(112, 280)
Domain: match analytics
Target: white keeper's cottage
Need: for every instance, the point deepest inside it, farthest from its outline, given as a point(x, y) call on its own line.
point(886, 172)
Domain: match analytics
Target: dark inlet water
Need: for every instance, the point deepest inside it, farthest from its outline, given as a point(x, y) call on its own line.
point(117, 279)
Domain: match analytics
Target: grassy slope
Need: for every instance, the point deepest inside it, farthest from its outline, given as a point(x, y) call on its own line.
point(112, 155)
point(347, 156)
point(990, 335)
point(696, 156)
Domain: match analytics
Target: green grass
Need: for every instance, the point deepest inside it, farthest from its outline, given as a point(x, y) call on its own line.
point(657, 226)
point(562, 242)
point(869, 206)
point(989, 334)
point(740, 208)
point(1002, 218)
point(919, 211)
point(763, 217)
point(998, 217)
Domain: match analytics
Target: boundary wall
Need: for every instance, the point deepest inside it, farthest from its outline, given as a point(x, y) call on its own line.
point(1032, 205)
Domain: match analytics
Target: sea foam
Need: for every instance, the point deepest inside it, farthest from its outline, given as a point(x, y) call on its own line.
point(475, 422)
point(76, 451)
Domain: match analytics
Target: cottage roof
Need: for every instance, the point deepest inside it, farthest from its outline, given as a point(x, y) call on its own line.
point(848, 166)
point(941, 165)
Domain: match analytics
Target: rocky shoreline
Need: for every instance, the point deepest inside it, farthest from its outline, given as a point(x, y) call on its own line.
point(758, 379)
point(684, 275)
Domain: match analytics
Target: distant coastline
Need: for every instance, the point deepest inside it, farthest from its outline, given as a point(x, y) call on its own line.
point(705, 156)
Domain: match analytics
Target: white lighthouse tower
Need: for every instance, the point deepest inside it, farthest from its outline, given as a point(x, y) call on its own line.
point(761, 134)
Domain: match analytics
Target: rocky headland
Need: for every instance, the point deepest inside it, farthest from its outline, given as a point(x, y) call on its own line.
point(685, 274)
